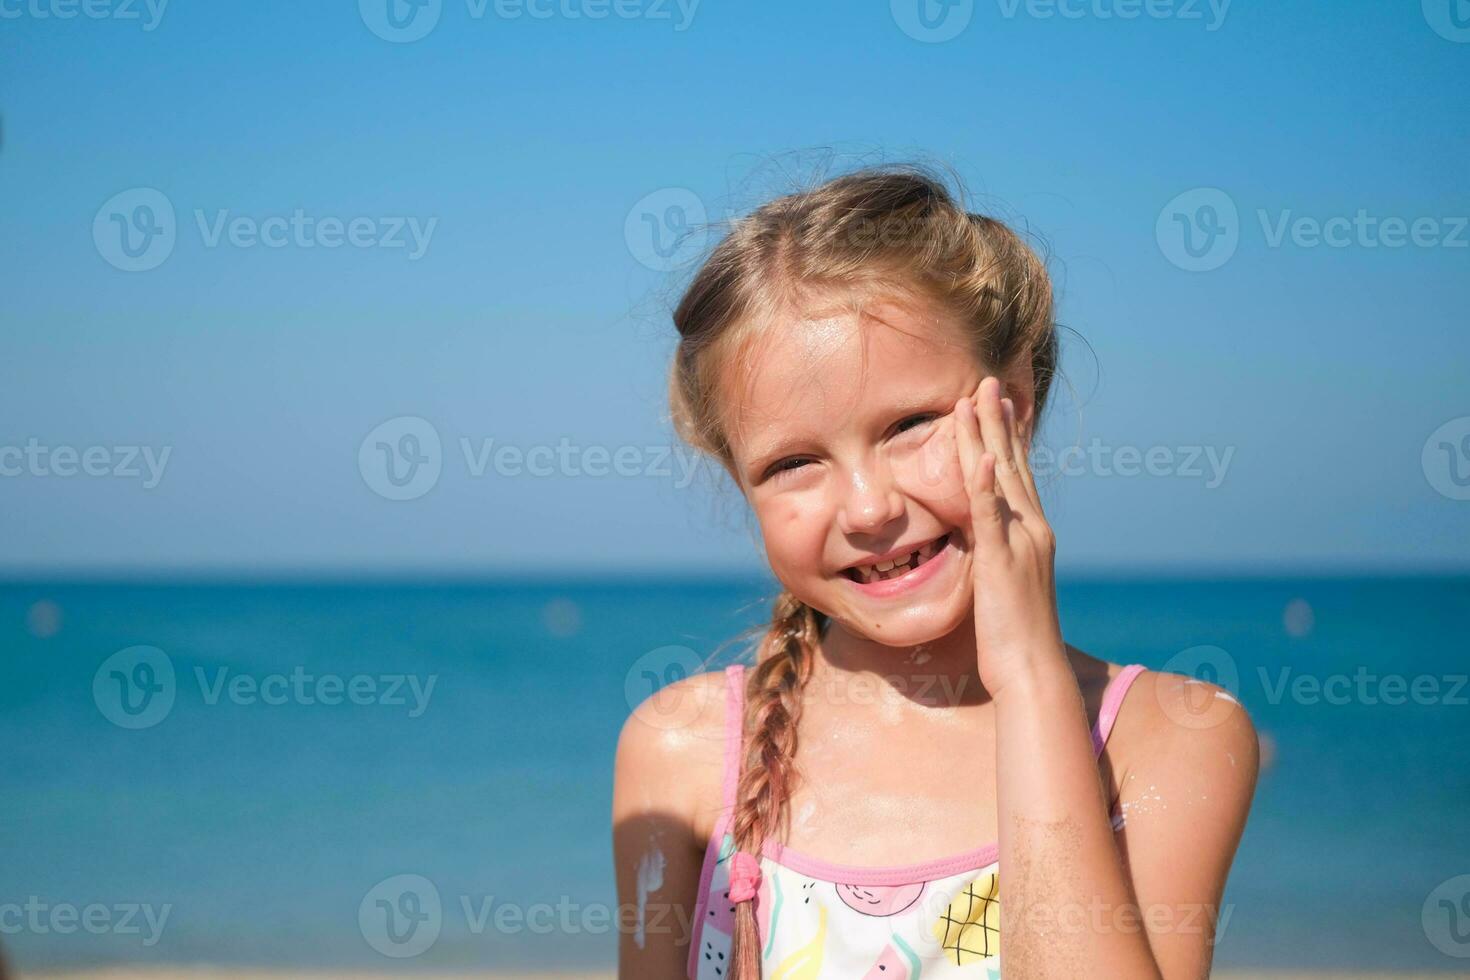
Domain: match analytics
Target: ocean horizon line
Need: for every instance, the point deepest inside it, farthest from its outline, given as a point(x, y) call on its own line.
point(434, 577)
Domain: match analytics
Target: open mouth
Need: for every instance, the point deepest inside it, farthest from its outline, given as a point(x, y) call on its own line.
point(897, 567)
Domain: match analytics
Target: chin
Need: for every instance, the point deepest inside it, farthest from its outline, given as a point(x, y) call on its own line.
point(898, 625)
point(910, 627)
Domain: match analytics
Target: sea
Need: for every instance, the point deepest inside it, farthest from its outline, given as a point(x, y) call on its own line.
point(402, 776)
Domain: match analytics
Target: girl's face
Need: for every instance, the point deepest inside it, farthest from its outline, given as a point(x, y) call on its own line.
point(844, 444)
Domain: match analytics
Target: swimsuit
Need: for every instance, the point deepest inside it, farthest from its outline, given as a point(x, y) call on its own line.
point(822, 921)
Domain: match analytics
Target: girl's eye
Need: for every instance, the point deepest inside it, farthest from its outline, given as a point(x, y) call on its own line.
point(915, 421)
point(790, 465)
point(786, 466)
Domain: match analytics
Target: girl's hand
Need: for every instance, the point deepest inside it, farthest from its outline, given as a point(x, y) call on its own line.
point(1012, 547)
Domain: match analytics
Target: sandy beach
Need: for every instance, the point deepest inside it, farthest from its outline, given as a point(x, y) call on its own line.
point(212, 973)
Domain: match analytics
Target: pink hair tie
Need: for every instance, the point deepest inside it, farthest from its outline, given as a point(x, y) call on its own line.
point(745, 876)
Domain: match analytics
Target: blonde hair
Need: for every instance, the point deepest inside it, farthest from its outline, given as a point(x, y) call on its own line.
point(884, 228)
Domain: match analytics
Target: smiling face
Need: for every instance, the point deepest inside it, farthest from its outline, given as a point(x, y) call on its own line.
point(843, 442)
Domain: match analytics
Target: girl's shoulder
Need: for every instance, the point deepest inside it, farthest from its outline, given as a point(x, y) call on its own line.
point(673, 745)
point(1164, 719)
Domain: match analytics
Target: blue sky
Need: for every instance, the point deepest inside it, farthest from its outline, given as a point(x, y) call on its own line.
point(461, 234)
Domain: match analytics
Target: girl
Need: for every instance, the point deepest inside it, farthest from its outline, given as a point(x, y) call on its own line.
point(917, 776)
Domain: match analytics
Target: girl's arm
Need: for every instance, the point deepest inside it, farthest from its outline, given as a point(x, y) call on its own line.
point(1071, 905)
point(663, 769)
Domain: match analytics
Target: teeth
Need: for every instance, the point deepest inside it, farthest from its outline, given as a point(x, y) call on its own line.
point(892, 568)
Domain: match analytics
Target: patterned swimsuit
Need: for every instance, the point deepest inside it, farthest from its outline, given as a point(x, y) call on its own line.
point(821, 921)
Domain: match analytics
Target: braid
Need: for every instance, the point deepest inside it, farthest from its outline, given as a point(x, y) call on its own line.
point(767, 767)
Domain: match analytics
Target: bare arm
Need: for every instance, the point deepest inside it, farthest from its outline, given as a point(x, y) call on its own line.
point(662, 768)
point(1070, 905)
point(1186, 795)
point(1073, 904)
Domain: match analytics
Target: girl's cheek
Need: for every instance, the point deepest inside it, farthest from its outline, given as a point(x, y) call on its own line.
point(792, 530)
point(932, 473)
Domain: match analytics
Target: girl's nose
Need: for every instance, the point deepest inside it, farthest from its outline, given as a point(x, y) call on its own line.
point(872, 500)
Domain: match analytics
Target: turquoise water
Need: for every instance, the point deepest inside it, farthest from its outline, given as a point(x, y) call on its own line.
point(262, 827)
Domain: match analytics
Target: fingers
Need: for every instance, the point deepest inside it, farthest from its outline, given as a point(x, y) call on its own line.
point(999, 441)
point(988, 512)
